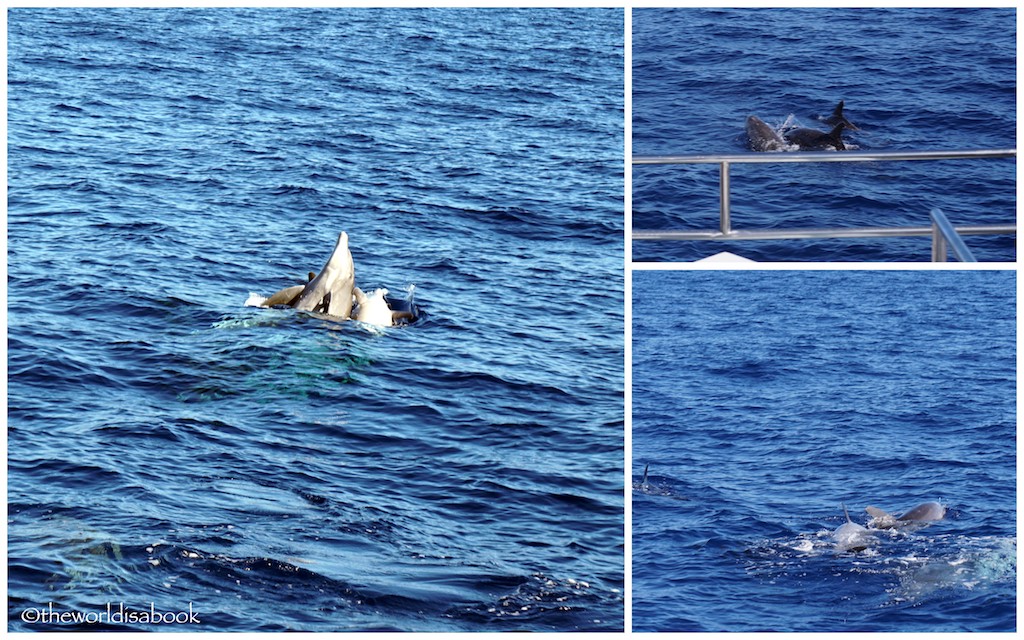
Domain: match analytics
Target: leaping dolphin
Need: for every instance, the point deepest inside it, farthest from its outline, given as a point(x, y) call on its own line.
point(837, 117)
point(922, 513)
point(762, 137)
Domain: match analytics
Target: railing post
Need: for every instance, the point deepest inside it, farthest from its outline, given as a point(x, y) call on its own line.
point(945, 236)
point(939, 251)
point(724, 223)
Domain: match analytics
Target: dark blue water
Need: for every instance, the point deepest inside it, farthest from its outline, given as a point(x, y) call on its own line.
point(275, 470)
point(764, 400)
point(912, 79)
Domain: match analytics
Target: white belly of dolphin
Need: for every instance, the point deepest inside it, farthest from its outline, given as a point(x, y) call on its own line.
point(373, 309)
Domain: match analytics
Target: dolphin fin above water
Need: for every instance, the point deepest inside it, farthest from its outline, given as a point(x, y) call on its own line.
point(837, 117)
point(851, 536)
point(643, 486)
point(836, 137)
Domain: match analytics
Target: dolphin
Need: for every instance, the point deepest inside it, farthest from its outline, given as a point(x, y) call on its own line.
point(812, 139)
point(287, 296)
point(922, 513)
point(330, 291)
point(372, 309)
point(851, 536)
point(837, 117)
point(643, 485)
point(762, 137)
point(333, 292)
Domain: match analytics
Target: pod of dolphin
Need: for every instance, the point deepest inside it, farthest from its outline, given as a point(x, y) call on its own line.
point(333, 292)
point(851, 536)
point(762, 137)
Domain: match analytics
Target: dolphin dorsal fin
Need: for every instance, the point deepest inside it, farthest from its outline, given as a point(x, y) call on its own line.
point(845, 512)
point(644, 479)
point(838, 111)
point(836, 136)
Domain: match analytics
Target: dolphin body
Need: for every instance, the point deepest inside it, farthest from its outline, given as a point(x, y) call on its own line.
point(851, 536)
point(812, 139)
point(837, 117)
point(330, 291)
point(762, 137)
point(922, 513)
point(372, 309)
point(287, 296)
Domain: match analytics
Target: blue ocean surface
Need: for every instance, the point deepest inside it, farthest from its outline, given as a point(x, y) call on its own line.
point(764, 401)
point(911, 79)
point(172, 450)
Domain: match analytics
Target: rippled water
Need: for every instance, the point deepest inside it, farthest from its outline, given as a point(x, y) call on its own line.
point(912, 79)
point(276, 470)
point(763, 401)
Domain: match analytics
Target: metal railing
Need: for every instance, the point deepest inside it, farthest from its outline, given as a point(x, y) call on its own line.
point(943, 233)
point(945, 238)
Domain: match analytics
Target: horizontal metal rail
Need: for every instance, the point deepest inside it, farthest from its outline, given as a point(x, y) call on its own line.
point(826, 156)
point(812, 233)
point(946, 236)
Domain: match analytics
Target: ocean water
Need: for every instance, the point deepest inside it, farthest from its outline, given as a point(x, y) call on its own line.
point(912, 79)
point(763, 401)
point(172, 450)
